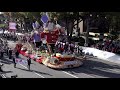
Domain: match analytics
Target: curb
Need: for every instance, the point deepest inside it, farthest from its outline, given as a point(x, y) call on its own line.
point(103, 55)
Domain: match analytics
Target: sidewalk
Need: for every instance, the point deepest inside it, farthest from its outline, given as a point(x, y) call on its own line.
point(104, 55)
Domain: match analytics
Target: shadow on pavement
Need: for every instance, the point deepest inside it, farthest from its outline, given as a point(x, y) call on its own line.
point(6, 61)
point(97, 68)
point(7, 72)
point(34, 71)
point(42, 73)
point(23, 69)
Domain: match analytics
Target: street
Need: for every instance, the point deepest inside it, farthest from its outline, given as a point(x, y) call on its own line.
point(92, 68)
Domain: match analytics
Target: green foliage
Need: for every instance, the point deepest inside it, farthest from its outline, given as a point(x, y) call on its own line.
point(3, 25)
point(113, 18)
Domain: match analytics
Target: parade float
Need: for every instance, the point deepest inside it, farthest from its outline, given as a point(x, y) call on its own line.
point(67, 54)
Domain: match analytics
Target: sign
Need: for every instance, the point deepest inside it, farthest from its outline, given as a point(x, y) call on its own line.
point(70, 62)
point(12, 25)
point(45, 18)
point(20, 61)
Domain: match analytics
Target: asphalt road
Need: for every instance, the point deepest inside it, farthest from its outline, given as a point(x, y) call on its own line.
point(92, 68)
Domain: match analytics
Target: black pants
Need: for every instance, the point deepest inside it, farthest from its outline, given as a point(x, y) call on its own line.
point(17, 54)
point(7, 52)
point(1, 69)
point(14, 39)
point(38, 44)
point(14, 65)
point(1, 56)
point(10, 56)
point(28, 67)
point(52, 47)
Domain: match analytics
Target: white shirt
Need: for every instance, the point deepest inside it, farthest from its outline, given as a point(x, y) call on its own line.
point(50, 26)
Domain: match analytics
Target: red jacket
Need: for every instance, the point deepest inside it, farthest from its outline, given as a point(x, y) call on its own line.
point(51, 37)
point(18, 47)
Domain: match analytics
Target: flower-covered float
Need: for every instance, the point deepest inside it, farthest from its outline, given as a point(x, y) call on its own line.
point(67, 54)
point(56, 61)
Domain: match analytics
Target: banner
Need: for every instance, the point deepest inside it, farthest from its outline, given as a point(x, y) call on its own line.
point(21, 61)
point(12, 26)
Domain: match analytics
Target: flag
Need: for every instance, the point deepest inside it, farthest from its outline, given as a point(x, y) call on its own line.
point(21, 61)
point(45, 18)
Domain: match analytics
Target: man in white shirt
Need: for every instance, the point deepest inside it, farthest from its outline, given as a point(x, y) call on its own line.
point(50, 26)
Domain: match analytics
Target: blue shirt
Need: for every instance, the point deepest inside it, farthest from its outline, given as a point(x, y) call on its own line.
point(37, 37)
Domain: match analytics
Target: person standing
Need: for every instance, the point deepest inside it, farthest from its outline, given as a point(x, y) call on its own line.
point(29, 62)
point(17, 54)
point(2, 53)
point(1, 70)
point(10, 53)
point(14, 62)
point(37, 39)
point(7, 49)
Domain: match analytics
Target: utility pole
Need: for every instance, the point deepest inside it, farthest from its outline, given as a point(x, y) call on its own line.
point(87, 33)
point(78, 30)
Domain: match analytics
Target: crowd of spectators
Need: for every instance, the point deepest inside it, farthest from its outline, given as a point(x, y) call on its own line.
point(109, 45)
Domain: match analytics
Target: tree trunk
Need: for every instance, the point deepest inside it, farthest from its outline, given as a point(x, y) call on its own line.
point(67, 27)
point(71, 28)
point(78, 29)
point(87, 34)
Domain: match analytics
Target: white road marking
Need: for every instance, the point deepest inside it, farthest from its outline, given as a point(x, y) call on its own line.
point(3, 75)
point(33, 71)
point(23, 66)
point(70, 74)
point(39, 75)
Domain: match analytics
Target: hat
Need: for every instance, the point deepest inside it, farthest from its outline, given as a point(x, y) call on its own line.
point(46, 30)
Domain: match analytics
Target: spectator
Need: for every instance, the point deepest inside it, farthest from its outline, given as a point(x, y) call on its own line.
point(29, 62)
point(14, 62)
point(10, 53)
point(2, 53)
point(37, 39)
point(17, 54)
